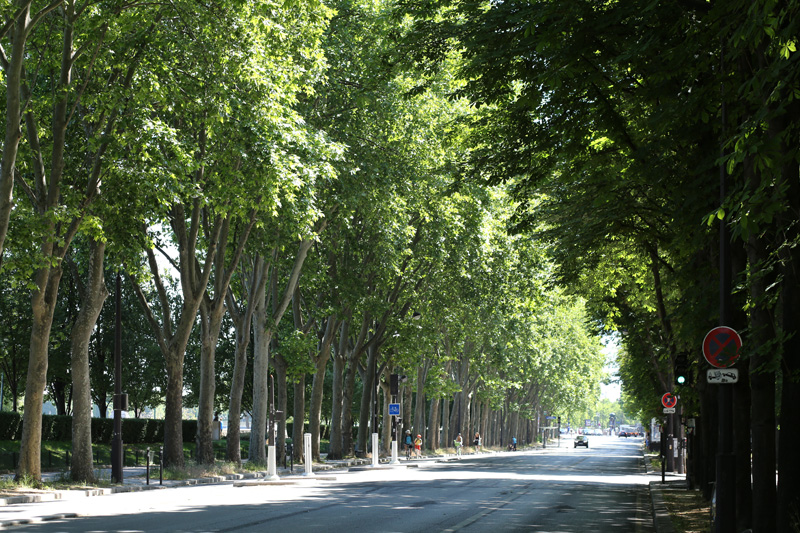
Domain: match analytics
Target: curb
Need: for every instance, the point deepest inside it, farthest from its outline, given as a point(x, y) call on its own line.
point(38, 520)
point(662, 523)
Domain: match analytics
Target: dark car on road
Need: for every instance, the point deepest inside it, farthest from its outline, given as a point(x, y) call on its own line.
point(581, 440)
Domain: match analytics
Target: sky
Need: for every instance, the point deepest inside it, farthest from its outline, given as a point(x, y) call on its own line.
point(610, 349)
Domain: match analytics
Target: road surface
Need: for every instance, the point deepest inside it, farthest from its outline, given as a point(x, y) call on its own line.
point(560, 489)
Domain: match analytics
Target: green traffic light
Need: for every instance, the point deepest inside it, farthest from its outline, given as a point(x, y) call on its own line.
point(681, 380)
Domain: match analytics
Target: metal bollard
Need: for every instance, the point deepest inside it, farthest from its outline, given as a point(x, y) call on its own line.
point(147, 466)
point(307, 454)
point(161, 465)
point(289, 451)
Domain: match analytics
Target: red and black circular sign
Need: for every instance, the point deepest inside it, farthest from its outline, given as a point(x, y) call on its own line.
point(721, 347)
point(669, 400)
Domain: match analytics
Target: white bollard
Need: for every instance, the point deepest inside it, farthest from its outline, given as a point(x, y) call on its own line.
point(272, 466)
point(374, 449)
point(307, 454)
point(395, 460)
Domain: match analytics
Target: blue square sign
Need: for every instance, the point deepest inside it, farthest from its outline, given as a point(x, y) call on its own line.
point(394, 409)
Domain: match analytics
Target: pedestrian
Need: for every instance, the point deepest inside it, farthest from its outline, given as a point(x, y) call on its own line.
point(418, 446)
point(459, 442)
point(514, 443)
point(476, 441)
point(408, 443)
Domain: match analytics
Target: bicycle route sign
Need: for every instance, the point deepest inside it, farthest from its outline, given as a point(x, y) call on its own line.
point(394, 409)
point(721, 347)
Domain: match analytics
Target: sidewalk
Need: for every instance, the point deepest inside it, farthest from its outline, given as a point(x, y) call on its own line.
point(662, 523)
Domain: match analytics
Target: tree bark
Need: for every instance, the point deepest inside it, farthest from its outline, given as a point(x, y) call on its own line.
point(365, 413)
point(211, 315)
point(419, 405)
point(762, 383)
point(337, 393)
point(281, 386)
point(320, 364)
point(299, 415)
point(433, 424)
point(788, 502)
point(260, 377)
point(242, 317)
point(13, 80)
point(347, 403)
point(94, 294)
point(262, 337)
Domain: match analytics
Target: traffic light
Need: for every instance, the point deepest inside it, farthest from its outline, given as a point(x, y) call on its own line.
point(681, 368)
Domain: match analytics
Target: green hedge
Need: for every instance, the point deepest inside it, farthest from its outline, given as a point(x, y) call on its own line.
point(10, 425)
point(59, 428)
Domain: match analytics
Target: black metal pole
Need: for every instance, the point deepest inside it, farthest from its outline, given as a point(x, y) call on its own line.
point(116, 443)
point(725, 520)
point(375, 390)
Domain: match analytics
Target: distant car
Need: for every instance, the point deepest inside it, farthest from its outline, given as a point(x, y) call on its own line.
point(623, 434)
point(581, 440)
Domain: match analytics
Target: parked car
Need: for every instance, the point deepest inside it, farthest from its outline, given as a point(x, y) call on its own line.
point(581, 440)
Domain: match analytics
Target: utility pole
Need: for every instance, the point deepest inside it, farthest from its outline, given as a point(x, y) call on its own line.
point(725, 520)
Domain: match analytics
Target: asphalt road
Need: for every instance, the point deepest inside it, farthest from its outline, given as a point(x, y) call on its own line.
point(599, 489)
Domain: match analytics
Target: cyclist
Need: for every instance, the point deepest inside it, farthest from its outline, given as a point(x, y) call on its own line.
point(418, 445)
point(408, 442)
point(459, 442)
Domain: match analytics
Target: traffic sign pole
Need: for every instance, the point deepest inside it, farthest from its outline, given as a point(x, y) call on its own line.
point(725, 519)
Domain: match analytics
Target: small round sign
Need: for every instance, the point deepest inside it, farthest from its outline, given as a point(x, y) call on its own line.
point(669, 400)
point(721, 347)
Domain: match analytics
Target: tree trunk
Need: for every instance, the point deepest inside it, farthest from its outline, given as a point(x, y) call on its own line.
point(408, 405)
point(365, 413)
point(281, 386)
point(419, 406)
point(43, 306)
point(173, 411)
point(433, 424)
point(485, 421)
point(788, 503)
point(386, 429)
point(94, 294)
point(233, 443)
point(13, 80)
point(445, 422)
point(299, 414)
point(256, 279)
point(211, 313)
point(262, 336)
point(320, 365)
point(347, 404)
point(337, 393)
point(762, 383)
